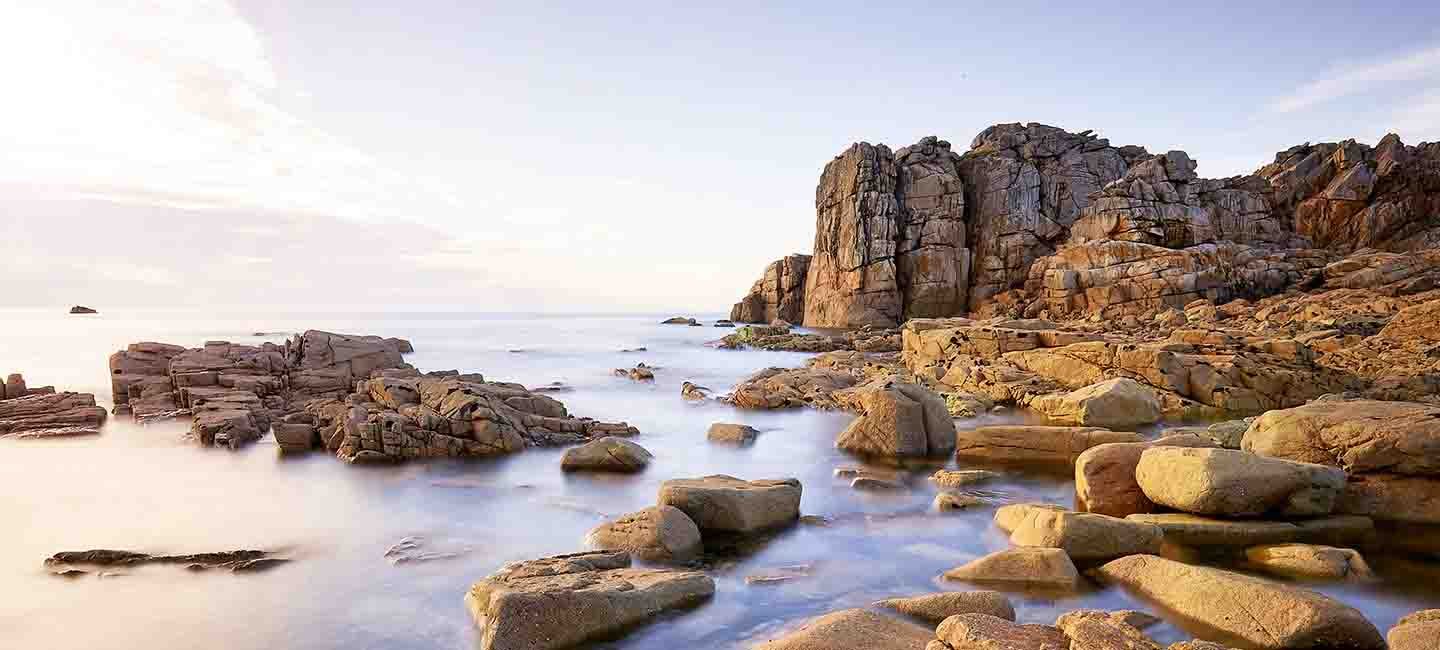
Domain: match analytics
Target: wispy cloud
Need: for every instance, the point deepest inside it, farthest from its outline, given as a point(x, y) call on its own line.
point(1351, 79)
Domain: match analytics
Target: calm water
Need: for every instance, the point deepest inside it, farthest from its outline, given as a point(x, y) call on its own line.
point(147, 488)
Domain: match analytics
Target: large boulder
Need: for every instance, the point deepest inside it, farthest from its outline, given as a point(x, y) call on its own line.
point(1023, 567)
point(1113, 403)
point(1105, 475)
point(1417, 631)
point(985, 632)
point(896, 419)
point(655, 534)
point(779, 294)
point(1082, 536)
point(726, 503)
point(1232, 483)
point(1030, 444)
point(1262, 613)
point(566, 600)
point(853, 629)
point(934, 608)
point(1359, 436)
point(608, 454)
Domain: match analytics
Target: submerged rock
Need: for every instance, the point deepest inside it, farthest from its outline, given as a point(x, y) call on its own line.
point(237, 561)
point(565, 600)
point(949, 478)
point(81, 309)
point(734, 434)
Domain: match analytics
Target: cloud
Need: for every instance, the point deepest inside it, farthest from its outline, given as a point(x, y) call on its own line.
point(176, 99)
point(1349, 80)
point(1419, 117)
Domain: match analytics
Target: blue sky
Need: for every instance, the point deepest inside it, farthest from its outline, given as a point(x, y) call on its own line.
point(599, 155)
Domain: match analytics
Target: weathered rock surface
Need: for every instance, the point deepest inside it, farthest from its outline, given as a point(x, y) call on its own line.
point(240, 561)
point(950, 478)
point(726, 503)
point(1113, 403)
point(985, 632)
point(1082, 536)
point(1041, 445)
point(655, 534)
point(1047, 568)
point(1193, 530)
point(777, 388)
point(934, 608)
point(1359, 436)
point(1090, 629)
point(33, 413)
point(566, 600)
point(853, 629)
point(1417, 631)
point(81, 309)
point(729, 433)
point(1310, 561)
point(608, 454)
point(1262, 613)
point(1231, 483)
point(1105, 475)
point(778, 294)
point(896, 419)
point(1392, 497)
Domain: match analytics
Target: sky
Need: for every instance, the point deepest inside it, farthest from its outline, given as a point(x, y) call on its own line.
point(579, 156)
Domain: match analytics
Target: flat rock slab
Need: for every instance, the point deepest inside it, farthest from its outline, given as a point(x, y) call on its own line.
point(1029, 444)
point(1193, 530)
point(1231, 483)
point(566, 600)
point(1261, 613)
point(1083, 536)
point(934, 608)
point(726, 503)
point(853, 629)
point(1025, 567)
point(952, 478)
point(1310, 561)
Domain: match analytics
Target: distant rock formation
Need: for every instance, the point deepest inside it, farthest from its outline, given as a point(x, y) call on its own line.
point(1034, 218)
point(81, 309)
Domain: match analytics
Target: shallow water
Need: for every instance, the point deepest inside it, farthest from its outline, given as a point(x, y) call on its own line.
point(149, 489)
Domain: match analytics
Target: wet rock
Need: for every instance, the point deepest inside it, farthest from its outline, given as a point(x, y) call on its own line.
point(778, 294)
point(693, 393)
point(415, 549)
point(1048, 568)
point(1231, 483)
point(853, 629)
point(934, 608)
point(237, 561)
point(726, 503)
point(780, 388)
point(780, 574)
point(1119, 402)
point(724, 323)
point(1082, 536)
point(735, 434)
point(896, 419)
point(949, 478)
point(947, 501)
point(1043, 445)
point(566, 600)
point(1105, 475)
point(640, 372)
point(608, 454)
point(678, 320)
point(1263, 613)
point(875, 484)
point(1417, 631)
point(1193, 530)
point(1310, 561)
point(985, 632)
point(655, 534)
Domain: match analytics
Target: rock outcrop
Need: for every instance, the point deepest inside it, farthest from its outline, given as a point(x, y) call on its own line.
point(779, 294)
point(27, 412)
point(563, 601)
point(897, 418)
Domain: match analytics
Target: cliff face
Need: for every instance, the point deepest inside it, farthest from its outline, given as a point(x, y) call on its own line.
point(778, 294)
point(1035, 218)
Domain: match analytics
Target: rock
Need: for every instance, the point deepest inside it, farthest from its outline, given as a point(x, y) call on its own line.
point(781, 574)
point(40, 414)
point(1233, 483)
point(678, 320)
point(1098, 630)
point(237, 561)
point(655, 534)
point(724, 323)
point(1119, 402)
point(934, 608)
point(1047, 568)
point(967, 405)
point(1082, 536)
point(691, 392)
point(14, 387)
point(874, 484)
point(779, 294)
point(608, 454)
point(414, 549)
point(896, 419)
point(1105, 475)
point(726, 503)
point(292, 438)
point(1392, 497)
point(81, 309)
point(566, 600)
point(1192, 530)
point(640, 372)
point(985, 632)
point(1359, 436)
point(735, 434)
point(1262, 613)
point(948, 478)
point(853, 629)
point(778, 388)
point(1417, 631)
point(1045, 445)
point(1310, 561)
point(947, 501)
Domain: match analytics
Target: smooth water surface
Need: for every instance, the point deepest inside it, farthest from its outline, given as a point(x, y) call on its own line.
point(150, 489)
